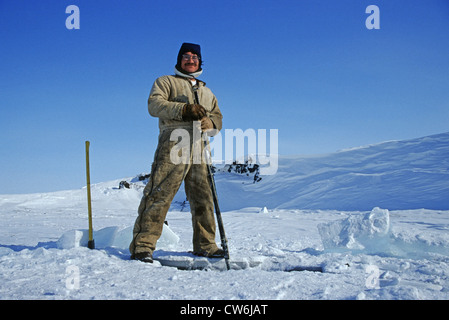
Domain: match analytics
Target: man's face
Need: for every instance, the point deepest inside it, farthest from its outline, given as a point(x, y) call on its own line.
point(190, 62)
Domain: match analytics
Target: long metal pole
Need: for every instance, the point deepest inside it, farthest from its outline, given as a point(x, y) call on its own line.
point(224, 240)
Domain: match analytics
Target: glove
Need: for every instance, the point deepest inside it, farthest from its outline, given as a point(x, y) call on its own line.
point(192, 112)
point(206, 124)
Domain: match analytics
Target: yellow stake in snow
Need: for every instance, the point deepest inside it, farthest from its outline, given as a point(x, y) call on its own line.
point(91, 242)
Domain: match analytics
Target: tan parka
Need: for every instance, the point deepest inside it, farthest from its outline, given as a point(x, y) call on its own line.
point(168, 96)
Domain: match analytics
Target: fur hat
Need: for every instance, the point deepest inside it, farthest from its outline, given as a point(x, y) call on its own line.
point(189, 47)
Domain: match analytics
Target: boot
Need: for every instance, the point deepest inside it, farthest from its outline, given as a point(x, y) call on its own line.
point(217, 253)
point(143, 256)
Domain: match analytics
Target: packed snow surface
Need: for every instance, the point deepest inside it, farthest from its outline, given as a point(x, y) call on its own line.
point(365, 223)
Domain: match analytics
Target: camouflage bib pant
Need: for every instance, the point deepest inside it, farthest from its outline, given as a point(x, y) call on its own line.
point(165, 180)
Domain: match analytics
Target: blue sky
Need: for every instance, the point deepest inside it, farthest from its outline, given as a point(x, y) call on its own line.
point(309, 68)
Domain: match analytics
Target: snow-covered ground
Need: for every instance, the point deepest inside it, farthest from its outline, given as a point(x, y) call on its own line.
point(369, 222)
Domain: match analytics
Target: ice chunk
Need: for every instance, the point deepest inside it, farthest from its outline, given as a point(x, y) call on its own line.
point(123, 238)
point(168, 239)
point(112, 237)
point(105, 237)
point(366, 232)
point(73, 239)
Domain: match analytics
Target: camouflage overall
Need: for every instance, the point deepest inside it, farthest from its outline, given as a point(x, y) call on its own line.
point(165, 180)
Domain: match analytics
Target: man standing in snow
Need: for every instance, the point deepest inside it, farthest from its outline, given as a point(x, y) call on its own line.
point(172, 100)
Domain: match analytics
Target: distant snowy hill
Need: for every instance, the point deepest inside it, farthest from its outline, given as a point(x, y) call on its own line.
point(409, 174)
